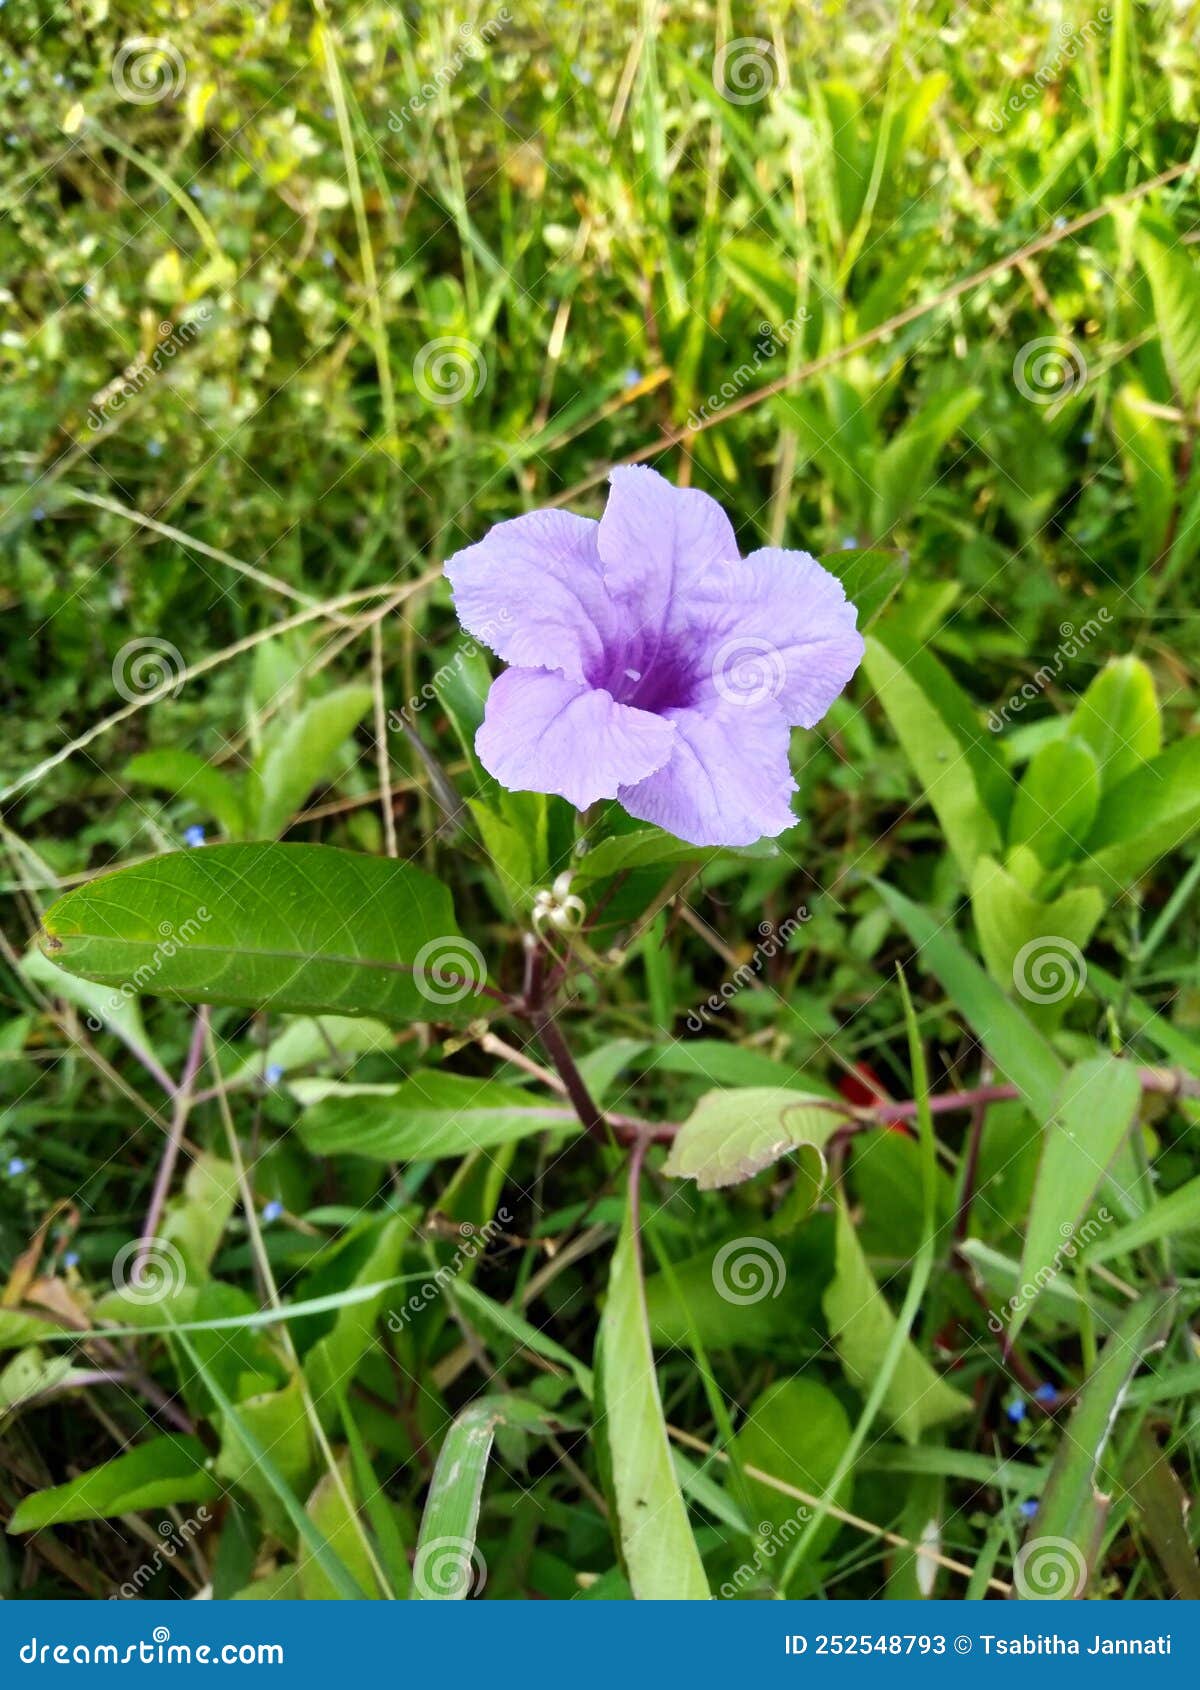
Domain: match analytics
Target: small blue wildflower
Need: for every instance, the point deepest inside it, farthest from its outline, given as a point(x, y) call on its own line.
point(1029, 1507)
point(88, 290)
point(327, 111)
point(39, 512)
point(194, 191)
point(1087, 436)
point(631, 378)
point(71, 1259)
point(272, 1210)
point(848, 544)
point(582, 74)
point(154, 448)
point(328, 259)
point(1046, 1393)
point(1015, 1411)
point(193, 835)
point(1060, 222)
point(16, 1165)
point(274, 1074)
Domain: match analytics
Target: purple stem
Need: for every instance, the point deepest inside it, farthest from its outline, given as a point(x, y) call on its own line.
point(166, 1168)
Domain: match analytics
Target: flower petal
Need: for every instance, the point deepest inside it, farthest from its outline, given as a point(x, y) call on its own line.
point(728, 779)
point(777, 626)
point(533, 590)
point(543, 733)
point(655, 543)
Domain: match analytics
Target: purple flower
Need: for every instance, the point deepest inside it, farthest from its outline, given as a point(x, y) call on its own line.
point(272, 1210)
point(649, 663)
point(193, 835)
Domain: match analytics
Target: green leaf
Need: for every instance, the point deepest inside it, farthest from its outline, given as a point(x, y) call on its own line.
point(190, 777)
point(1151, 812)
point(1054, 1561)
point(430, 1114)
point(1119, 718)
point(156, 1474)
point(1056, 802)
point(334, 1358)
point(1178, 1212)
point(342, 1530)
point(1018, 1049)
point(118, 1011)
point(1175, 285)
point(1097, 1107)
point(499, 1317)
point(732, 1135)
point(305, 754)
point(276, 1421)
point(961, 774)
point(904, 470)
point(653, 1533)
point(645, 847)
point(448, 1566)
point(1146, 460)
point(797, 1431)
point(1031, 947)
point(861, 1325)
point(311, 1041)
point(195, 1220)
point(871, 579)
point(304, 928)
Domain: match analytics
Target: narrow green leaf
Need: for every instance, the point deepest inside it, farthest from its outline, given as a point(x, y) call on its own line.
point(304, 754)
point(797, 1431)
point(1152, 811)
point(1119, 718)
point(871, 579)
point(188, 776)
point(157, 1474)
point(654, 1535)
point(1178, 1212)
point(1175, 285)
point(429, 1114)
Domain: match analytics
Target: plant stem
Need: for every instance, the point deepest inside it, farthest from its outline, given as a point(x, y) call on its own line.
point(182, 1104)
